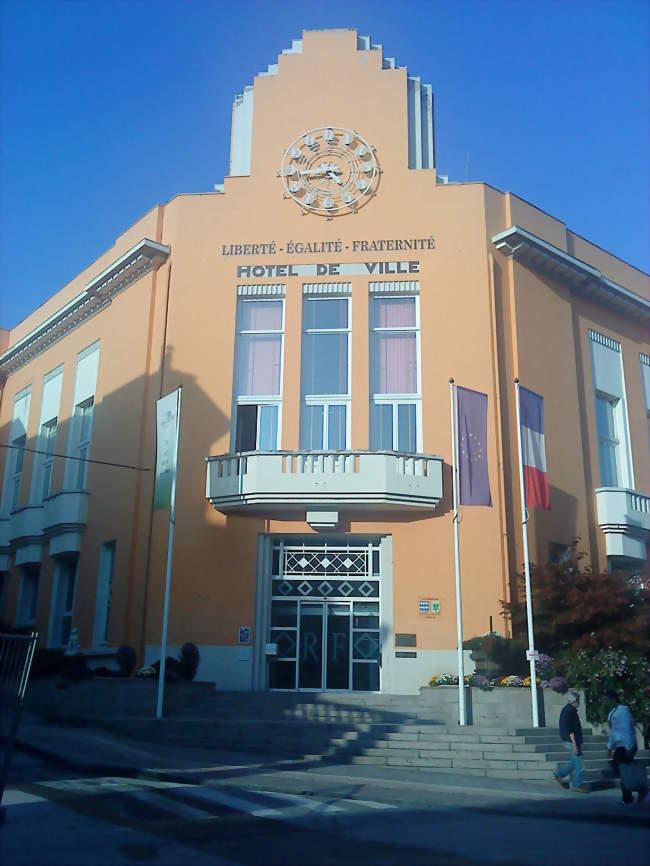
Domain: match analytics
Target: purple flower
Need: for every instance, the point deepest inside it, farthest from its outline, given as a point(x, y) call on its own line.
point(558, 684)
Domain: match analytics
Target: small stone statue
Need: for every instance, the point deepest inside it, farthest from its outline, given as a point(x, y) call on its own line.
point(73, 648)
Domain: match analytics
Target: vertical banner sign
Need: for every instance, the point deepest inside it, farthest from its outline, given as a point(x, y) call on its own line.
point(168, 411)
point(167, 414)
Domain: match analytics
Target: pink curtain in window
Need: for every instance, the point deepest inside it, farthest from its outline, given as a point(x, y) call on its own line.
point(396, 360)
point(259, 364)
point(394, 312)
point(261, 316)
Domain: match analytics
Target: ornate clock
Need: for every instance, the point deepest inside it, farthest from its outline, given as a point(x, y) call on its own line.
point(329, 171)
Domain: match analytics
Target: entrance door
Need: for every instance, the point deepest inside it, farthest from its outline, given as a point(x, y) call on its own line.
point(310, 646)
point(338, 646)
point(324, 646)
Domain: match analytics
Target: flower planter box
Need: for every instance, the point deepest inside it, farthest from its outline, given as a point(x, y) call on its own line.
point(501, 707)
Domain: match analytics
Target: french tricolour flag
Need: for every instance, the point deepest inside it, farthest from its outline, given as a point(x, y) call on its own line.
point(531, 409)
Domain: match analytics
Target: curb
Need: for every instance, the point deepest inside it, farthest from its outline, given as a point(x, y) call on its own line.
point(73, 764)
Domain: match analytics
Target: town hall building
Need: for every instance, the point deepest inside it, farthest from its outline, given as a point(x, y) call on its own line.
point(313, 308)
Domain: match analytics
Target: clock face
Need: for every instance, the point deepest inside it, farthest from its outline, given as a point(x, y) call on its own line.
point(330, 171)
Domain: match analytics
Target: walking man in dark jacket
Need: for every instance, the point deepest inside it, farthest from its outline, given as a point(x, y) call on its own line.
point(571, 734)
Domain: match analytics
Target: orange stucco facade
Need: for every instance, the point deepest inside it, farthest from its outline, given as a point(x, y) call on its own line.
point(489, 311)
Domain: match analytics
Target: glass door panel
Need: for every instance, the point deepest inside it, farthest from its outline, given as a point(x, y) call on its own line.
point(338, 646)
point(282, 667)
point(310, 662)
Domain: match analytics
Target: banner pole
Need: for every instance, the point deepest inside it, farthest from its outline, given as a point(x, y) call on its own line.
point(529, 601)
point(172, 523)
point(459, 612)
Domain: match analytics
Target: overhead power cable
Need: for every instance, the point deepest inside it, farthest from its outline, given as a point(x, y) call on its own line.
point(79, 459)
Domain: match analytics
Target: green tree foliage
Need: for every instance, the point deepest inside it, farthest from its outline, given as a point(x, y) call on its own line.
point(575, 608)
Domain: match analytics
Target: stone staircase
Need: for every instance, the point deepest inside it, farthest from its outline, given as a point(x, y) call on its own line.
point(380, 730)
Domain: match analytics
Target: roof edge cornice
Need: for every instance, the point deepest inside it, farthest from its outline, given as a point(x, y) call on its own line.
point(583, 279)
point(145, 256)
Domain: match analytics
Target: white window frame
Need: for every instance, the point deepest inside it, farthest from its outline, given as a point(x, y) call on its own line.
point(255, 399)
point(18, 465)
point(58, 610)
point(104, 594)
point(609, 442)
point(327, 400)
point(82, 447)
point(398, 399)
point(23, 617)
point(47, 438)
point(18, 427)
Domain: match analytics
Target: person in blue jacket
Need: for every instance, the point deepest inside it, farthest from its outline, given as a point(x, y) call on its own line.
point(621, 746)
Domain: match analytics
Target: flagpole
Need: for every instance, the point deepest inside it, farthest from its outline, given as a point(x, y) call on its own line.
point(459, 613)
point(529, 603)
point(172, 523)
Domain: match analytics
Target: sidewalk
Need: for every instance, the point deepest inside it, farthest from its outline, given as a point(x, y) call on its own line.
point(94, 751)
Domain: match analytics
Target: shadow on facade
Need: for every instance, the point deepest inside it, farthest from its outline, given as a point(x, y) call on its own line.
point(120, 482)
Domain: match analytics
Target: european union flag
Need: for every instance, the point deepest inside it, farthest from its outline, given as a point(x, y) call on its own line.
point(474, 482)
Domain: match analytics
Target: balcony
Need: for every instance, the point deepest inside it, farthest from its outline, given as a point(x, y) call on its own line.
point(624, 517)
point(4, 544)
point(26, 534)
point(292, 481)
point(64, 520)
point(26, 525)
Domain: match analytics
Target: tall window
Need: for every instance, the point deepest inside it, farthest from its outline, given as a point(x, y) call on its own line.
point(14, 455)
point(18, 446)
point(84, 422)
point(104, 593)
point(48, 437)
point(395, 397)
point(325, 374)
point(28, 595)
point(63, 598)
point(258, 374)
point(4, 582)
point(608, 441)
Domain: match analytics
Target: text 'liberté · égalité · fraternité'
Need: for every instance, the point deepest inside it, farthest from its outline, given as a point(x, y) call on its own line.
point(319, 247)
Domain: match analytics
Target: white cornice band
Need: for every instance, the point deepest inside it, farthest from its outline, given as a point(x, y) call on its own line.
point(98, 293)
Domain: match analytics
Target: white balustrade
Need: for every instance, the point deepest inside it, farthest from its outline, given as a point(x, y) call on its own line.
point(282, 480)
point(624, 517)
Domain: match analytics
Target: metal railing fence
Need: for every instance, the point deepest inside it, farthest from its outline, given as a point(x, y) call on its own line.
point(16, 656)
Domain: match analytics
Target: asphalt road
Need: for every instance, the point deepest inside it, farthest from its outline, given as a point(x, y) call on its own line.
point(240, 816)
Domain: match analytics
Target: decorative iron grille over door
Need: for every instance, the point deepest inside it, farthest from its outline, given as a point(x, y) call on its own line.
point(325, 617)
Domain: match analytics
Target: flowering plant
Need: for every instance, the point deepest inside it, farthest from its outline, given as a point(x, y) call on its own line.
point(558, 684)
point(448, 680)
point(512, 681)
point(527, 681)
point(626, 672)
point(545, 664)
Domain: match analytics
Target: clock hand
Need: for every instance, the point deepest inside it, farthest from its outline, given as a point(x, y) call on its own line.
point(334, 177)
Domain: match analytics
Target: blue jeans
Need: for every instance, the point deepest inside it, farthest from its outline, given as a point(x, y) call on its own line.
point(575, 765)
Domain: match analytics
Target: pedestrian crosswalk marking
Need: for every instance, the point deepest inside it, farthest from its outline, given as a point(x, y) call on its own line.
point(306, 803)
point(178, 808)
point(369, 804)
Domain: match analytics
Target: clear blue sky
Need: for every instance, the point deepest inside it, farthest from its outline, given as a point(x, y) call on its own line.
point(107, 108)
